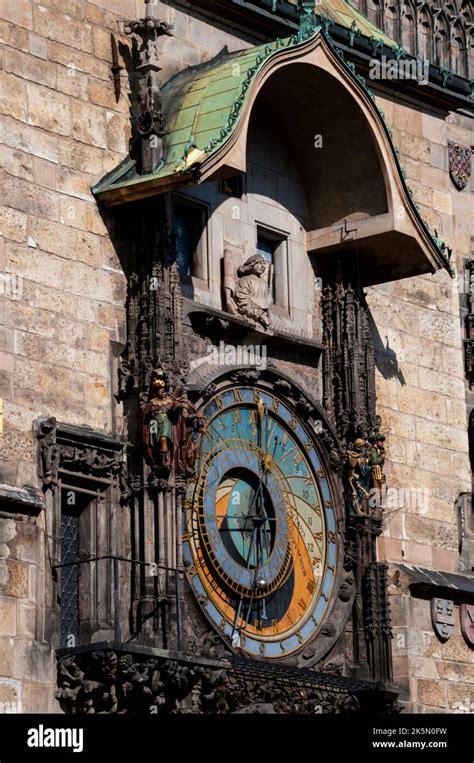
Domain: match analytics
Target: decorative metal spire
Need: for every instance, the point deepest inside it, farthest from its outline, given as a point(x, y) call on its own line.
point(307, 14)
point(149, 122)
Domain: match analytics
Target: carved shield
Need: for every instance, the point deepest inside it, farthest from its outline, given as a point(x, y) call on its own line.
point(467, 623)
point(442, 617)
point(459, 164)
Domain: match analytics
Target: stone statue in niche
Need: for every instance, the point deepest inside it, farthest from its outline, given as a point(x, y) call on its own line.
point(365, 477)
point(249, 295)
point(170, 428)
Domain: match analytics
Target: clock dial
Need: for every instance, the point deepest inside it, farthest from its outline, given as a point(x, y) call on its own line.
point(260, 528)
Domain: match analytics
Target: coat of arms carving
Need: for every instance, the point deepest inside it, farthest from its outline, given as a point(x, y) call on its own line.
point(467, 623)
point(442, 617)
point(459, 164)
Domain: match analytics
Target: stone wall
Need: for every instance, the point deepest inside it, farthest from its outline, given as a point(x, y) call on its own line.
point(421, 392)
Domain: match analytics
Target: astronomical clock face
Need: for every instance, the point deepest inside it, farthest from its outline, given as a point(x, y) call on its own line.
point(260, 534)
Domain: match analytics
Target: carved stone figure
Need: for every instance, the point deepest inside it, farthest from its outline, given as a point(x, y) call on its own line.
point(250, 294)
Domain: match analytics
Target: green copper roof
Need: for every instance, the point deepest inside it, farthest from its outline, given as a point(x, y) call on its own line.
point(202, 104)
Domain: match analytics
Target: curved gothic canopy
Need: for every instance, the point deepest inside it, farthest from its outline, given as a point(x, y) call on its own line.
point(441, 32)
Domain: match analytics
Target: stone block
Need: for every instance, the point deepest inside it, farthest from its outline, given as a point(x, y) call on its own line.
point(102, 93)
point(460, 697)
point(442, 201)
point(416, 553)
point(417, 403)
point(30, 68)
point(48, 109)
point(37, 46)
point(15, 582)
point(118, 132)
point(74, 212)
point(13, 36)
point(6, 385)
point(414, 147)
point(74, 183)
point(77, 156)
point(12, 224)
point(38, 697)
point(435, 432)
point(29, 139)
point(13, 101)
point(102, 43)
point(432, 692)
point(64, 241)
point(407, 120)
point(6, 658)
point(78, 60)
point(18, 12)
point(8, 616)
point(447, 561)
point(62, 28)
point(434, 129)
point(44, 172)
point(72, 82)
point(456, 413)
point(441, 328)
point(27, 620)
point(17, 163)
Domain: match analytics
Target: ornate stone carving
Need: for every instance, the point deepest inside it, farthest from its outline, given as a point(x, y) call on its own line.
point(75, 449)
point(149, 122)
point(349, 366)
point(377, 621)
point(134, 683)
point(249, 295)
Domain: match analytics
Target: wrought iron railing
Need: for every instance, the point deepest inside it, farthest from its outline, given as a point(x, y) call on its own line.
point(74, 592)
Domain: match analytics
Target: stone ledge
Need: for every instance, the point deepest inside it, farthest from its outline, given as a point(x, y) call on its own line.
point(17, 499)
point(426, 583)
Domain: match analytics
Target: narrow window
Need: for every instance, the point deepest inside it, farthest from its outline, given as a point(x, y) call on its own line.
point(273, 247)
point(189, 224)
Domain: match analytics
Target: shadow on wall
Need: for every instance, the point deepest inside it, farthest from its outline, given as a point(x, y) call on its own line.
point(386, 359)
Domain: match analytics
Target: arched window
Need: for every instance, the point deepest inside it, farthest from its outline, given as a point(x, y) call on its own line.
point(458, 50)
point(441, 41)
point(408, 27)
point(467, 12)
point(391, 19)
point(450, 10)
point(374, 12)
point(425, 38)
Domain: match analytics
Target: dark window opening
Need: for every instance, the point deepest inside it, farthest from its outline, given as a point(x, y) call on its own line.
point(233, 186)
point(189, 223)
point(73, 506)
point(273, 247)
